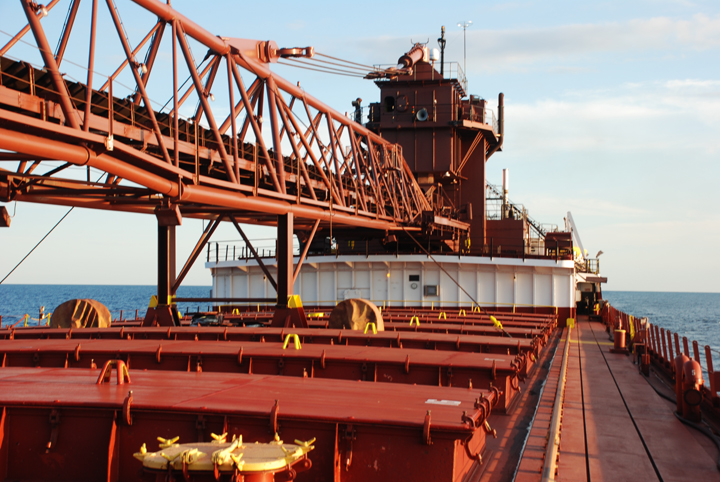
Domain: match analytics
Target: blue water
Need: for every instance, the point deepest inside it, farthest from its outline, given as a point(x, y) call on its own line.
point(16, 300)
point(693, 315)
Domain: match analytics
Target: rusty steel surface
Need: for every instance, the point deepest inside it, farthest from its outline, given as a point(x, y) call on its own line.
point(360, 428)
point(240, 164)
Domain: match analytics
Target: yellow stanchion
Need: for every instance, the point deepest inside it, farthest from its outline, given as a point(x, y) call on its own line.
point(374, 328)
point(442, 315)
point(26, 320)
point(416, 320)
point(295, 338)
point(461, 313)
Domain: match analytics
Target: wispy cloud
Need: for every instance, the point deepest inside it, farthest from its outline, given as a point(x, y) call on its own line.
point(647, 116)
point(514, 48)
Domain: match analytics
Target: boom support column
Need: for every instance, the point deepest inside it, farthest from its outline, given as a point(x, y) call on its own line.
point(288, 311)
point(164, 312)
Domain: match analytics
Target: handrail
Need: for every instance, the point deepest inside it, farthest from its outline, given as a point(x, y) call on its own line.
point(553, 446)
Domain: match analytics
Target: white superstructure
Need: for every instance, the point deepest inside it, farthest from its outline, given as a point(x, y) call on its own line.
point(408, 280)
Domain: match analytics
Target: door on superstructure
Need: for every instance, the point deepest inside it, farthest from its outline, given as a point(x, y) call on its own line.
point(380, 281)
point(413, 287)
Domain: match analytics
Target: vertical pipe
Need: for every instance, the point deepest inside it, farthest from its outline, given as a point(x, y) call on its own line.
point(91, 67)
point(163, 279)
point(228, 59)
point(172, 260)
point(285, 259)
point(176, 153)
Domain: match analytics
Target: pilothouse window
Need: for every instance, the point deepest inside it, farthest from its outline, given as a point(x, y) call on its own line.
point(389, 103)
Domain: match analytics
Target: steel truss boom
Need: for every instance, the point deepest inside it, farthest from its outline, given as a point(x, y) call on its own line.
point(281, 151)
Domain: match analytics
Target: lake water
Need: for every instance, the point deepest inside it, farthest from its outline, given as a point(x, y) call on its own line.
point(694, 315)
point(16, 300)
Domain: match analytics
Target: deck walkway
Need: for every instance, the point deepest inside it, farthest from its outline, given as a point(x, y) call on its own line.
point(615, 426)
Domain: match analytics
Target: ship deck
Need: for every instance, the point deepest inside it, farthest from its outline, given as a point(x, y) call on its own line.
point(615, 425)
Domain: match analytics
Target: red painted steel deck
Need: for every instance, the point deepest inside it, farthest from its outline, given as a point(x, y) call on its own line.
point(359, 363)
point(419, 340)
point(378, 427)
point(615, 426)
point(455, 328)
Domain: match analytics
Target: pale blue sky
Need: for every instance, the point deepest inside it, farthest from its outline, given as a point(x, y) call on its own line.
point(612, 112)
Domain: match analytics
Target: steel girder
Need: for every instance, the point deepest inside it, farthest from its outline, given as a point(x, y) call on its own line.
point(280, 151)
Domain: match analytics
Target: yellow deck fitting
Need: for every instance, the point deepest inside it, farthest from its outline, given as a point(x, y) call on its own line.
point(369, 325)
point(570, 322)
point(442, 316)
point(497, 324)
point(165, 443)
point(294, 301)
point(315, 315)
point(294, 337)
point(226, 457)
point(461, 313)
point(416, 320)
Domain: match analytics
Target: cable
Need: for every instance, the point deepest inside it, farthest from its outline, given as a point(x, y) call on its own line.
point(329, 69)
point(38, 244)
point(43, 239)
point(359, 69)
point(453, 280)
point(319, 70)
point(346, 61)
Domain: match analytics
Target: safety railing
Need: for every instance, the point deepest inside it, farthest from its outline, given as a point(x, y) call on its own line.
point(663, 346)
point(239, 250)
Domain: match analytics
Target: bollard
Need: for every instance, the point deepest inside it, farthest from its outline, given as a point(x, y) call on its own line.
point(679, 363)
point(619, 345)
point(691, 395)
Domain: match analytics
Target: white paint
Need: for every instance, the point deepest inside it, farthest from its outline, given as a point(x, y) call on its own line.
point(325, 280)
point(452, 403)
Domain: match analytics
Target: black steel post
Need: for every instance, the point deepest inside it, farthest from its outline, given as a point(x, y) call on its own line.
point(163, 291)
point(284, 259)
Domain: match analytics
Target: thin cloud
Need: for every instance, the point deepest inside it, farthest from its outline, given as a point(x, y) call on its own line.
point(495, 49)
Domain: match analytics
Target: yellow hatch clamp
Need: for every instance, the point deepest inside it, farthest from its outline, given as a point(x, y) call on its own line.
point(220, 456)
point(498, 325)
